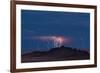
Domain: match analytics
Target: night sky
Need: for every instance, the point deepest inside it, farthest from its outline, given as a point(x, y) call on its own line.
point(37, 25)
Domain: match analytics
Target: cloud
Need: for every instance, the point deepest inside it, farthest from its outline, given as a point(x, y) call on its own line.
point(53, 38)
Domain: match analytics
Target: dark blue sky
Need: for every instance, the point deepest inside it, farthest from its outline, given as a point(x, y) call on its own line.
point(72, 25)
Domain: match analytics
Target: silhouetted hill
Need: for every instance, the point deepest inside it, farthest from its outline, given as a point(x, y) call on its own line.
point(56, 54)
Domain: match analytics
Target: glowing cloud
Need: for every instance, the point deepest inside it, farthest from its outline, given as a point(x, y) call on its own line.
point(57, 40)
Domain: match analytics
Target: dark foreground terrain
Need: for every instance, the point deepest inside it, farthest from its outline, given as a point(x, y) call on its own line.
point(55, 54)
